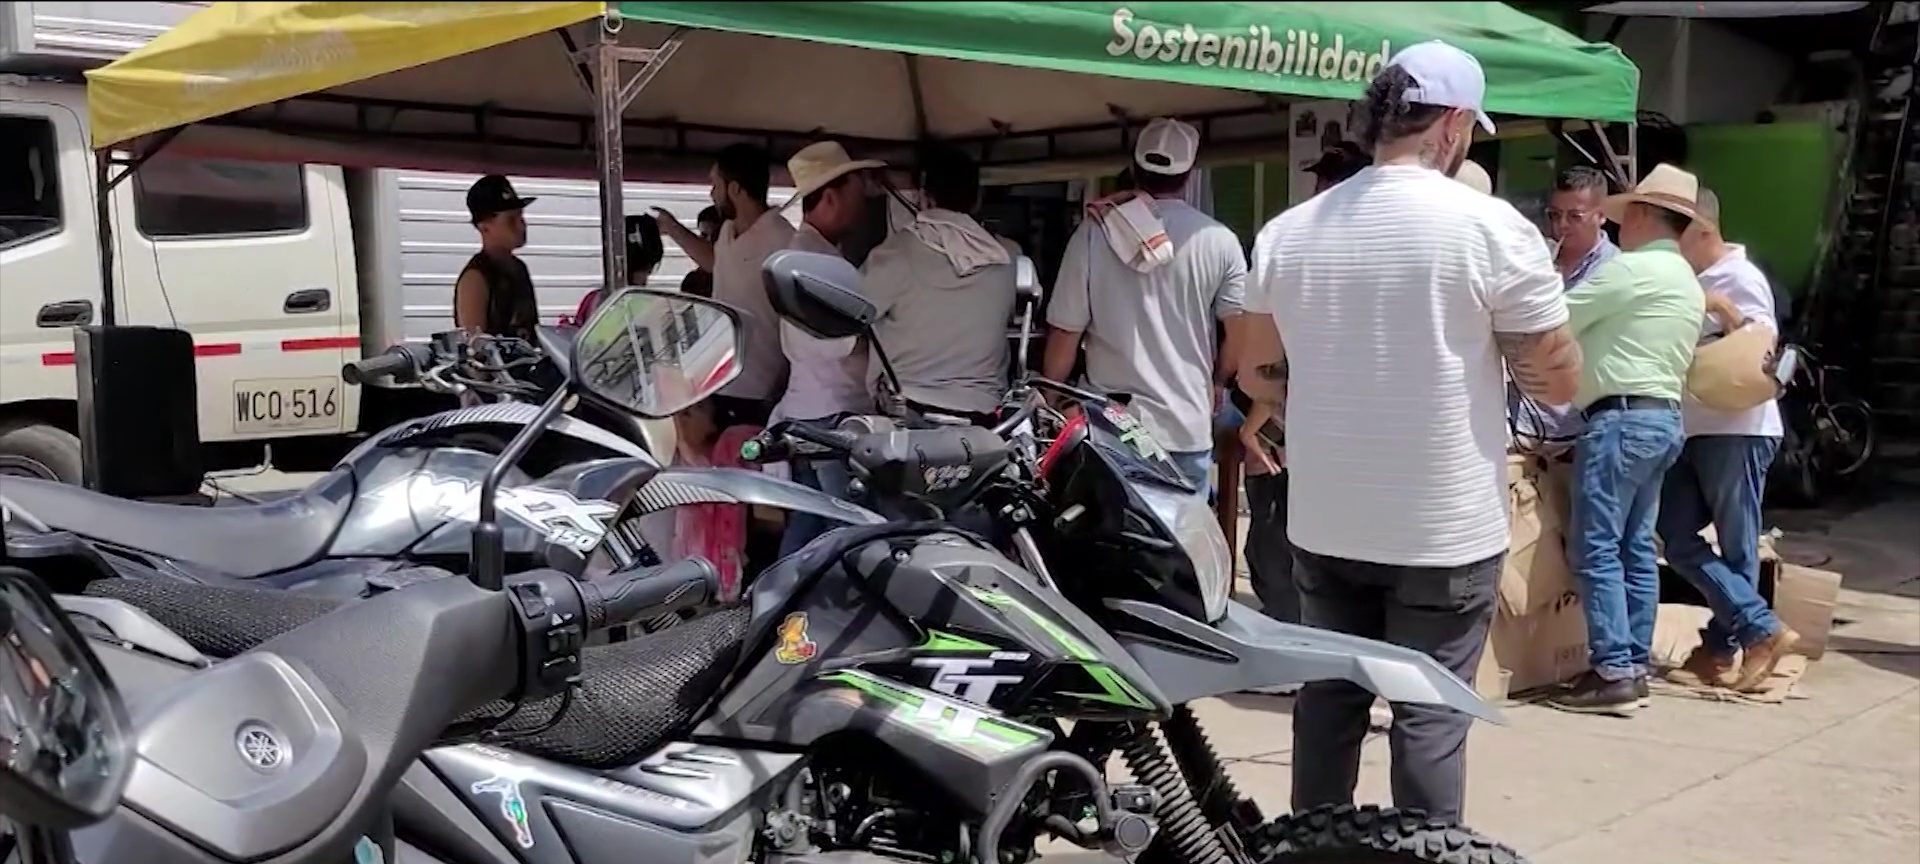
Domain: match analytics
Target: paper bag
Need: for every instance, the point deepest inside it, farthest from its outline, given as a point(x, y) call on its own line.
point(1730, 373)
point(1804, 598)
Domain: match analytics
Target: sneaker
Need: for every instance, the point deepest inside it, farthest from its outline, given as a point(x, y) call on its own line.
point(1642, 690)
point(1592, 694)
point(1703, 668)
point(1762, 656)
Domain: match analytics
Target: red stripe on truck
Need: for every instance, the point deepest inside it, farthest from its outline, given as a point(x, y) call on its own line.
point(328, 343)
point(215, 349)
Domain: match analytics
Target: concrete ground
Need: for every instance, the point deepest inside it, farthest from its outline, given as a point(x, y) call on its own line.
point(1831, 777)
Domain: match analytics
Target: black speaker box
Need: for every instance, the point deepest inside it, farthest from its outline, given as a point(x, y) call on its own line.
point(139, 415)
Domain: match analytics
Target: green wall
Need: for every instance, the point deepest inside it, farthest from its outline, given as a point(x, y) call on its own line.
point(1774, 183)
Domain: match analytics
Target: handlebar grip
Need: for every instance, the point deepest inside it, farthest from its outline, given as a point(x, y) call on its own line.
point(624, 598)
point(400, 361)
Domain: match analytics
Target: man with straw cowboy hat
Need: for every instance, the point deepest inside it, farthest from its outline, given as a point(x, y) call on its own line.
point(826, 377)
point(1637, 319)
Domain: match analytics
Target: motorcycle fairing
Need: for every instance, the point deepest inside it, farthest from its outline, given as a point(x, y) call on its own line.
point(1247, 649)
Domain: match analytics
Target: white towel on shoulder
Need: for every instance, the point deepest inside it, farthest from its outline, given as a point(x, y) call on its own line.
point(966, 245)
point(1134, 230)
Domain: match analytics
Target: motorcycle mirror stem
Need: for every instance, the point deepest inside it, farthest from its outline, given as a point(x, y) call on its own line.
point(489, 540)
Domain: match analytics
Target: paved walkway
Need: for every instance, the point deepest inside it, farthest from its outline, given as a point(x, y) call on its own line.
point(1831, 777)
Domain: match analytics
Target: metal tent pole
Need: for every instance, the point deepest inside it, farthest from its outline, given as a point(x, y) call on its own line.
point(611, 98)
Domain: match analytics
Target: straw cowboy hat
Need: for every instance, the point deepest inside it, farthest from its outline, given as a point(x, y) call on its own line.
point(1475, 177)
point(821, 163)
point(1665, 187)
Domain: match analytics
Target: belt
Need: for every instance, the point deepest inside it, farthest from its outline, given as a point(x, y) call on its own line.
point(1626, 403)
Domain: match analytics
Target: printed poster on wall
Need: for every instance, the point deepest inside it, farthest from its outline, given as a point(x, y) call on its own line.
point(1318, 126)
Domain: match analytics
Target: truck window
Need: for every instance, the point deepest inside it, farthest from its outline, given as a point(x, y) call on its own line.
point(185, 197)
point(29, 180)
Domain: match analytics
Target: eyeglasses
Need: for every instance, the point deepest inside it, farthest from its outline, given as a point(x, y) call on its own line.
point(1568, 215)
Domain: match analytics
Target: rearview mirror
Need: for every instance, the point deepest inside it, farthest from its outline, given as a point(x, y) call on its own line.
point(657, 353)
point(63, 730)
point(818, 293)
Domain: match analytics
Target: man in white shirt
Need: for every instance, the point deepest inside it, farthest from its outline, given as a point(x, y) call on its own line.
point(752, 231)
point(826, 378)
point(944, 288)
point(1151, 334)
point(1722, 472)
point(1379, 314)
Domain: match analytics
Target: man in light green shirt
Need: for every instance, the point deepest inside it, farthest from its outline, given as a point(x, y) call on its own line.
point(1637, 319)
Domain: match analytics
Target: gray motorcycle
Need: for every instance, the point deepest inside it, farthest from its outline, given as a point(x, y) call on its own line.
point(830, 718)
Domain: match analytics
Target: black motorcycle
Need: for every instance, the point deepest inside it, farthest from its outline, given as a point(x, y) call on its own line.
point(899, 691)
point(408, 497)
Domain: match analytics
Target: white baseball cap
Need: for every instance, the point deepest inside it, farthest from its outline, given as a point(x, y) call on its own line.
point(1445, 76)
point(1166, 146)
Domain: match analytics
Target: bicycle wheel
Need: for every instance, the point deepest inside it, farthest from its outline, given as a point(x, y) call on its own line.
point(1844, 437)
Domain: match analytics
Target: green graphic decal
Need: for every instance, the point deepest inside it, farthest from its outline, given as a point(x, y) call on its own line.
point(948, 719)
point(939, 640)
point(1114, 686)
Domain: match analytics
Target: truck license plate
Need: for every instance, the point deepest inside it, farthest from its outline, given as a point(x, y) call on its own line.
point(270, 405)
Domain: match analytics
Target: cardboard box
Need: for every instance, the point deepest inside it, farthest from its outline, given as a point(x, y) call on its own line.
point(1538, 649)
point(1536, 573)
point(1804, 599)
point(1539, 631)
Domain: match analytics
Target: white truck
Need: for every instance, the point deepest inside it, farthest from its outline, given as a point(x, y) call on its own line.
point(281, 273)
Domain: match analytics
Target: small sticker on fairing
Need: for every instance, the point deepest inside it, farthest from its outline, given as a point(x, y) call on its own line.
point(794, 647)
point(512, 807)
point(368, 852)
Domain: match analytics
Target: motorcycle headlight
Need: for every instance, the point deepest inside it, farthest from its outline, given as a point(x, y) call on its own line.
point(1194, 527)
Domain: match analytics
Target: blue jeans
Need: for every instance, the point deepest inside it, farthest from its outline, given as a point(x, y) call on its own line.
point(1719, 481)
point(804, 528)
point(1197, 467)
point(1618, 463)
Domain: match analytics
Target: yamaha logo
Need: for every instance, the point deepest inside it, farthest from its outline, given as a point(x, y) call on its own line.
point(261, 749)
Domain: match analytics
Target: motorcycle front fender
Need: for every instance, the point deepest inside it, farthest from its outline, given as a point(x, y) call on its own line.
point(683, 486)
point(1189, 660)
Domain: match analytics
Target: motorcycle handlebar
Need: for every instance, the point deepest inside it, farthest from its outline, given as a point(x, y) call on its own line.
point(625, 598)
point(403, 362)
point(776, 444)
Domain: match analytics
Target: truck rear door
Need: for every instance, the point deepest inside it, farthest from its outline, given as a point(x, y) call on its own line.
point(246, 256)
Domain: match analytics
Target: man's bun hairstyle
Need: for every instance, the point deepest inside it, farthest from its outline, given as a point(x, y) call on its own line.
point(1389, 115)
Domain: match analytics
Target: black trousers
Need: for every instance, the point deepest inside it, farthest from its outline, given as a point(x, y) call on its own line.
point(1443, 611)
point(1269, 554)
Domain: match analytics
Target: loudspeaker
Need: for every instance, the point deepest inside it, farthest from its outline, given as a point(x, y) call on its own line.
point(139, 411)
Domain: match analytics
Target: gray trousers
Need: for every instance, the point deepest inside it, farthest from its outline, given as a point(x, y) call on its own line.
point(1443, 611)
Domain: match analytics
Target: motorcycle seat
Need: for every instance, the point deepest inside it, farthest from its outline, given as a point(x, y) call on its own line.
point(243, 541)
point(633, 695)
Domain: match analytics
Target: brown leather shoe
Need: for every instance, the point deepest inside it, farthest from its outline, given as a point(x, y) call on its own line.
point(1761, 657)
point(1704, 669)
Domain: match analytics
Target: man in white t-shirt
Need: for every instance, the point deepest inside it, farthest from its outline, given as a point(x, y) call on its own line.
point(1151, 334)
point(752, 231)
point(1722, 472)
point(827, 378)
point(1397, 294)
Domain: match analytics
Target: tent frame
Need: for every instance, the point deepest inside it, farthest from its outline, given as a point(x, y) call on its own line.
point(615, 75)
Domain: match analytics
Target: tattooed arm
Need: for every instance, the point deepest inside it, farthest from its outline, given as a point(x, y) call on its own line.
point(1545, 365)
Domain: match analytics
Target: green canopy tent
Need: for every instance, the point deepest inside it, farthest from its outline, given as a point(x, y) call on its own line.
point(550, 88)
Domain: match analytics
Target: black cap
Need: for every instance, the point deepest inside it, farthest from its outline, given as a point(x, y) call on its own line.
point(492, 194)
point(1340, 161)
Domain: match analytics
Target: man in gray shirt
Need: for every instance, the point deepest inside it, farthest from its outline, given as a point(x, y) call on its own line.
point(944, 289)
point(1151, 334)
